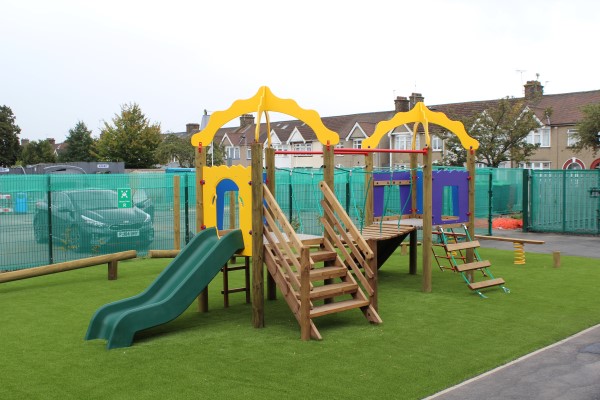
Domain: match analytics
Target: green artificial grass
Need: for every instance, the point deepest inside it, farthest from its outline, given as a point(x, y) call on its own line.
point(427, 342)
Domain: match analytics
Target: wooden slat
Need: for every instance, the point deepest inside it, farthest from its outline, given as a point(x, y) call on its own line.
point(333, 290)
point(340, 306)
point(462, 245)
point(319, 274)
point(473, 266)
point(499, 238)
point(488, 283)
point(392, 182)
point(337, 207)
point(280, 217)
point(345, 238)
point(322, 255)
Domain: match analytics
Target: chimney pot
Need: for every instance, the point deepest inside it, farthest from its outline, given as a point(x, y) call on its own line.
point(402, 104)
point(192, 127)
point(533, 90)
point(246, 119)
point(416, 98)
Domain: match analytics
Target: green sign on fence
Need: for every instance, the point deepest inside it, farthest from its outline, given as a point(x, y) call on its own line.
point(124, 198)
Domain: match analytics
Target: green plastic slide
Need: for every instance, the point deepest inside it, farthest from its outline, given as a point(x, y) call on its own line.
point(170, 294)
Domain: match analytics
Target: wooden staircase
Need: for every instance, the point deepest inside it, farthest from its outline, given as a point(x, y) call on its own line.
point(454, 250)
point(323, 278)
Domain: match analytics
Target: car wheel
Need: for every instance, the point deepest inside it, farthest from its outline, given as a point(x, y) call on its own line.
point(40, 230)
point(76, 240)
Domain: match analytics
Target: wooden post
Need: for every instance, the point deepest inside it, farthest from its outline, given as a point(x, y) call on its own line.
point(373, 281)
point(413, 192)
point(270, 165)
point(427, 220)
point(412, 263)
point(200, 164)
point(305, 293)
point(368, 219)
point(176, 213)
point(471, 226)
point(258, 296)
point(328, 177)
point(112, 270)
point(556, 259)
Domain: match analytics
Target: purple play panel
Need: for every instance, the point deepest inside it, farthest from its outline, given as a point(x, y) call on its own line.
point(458, 188)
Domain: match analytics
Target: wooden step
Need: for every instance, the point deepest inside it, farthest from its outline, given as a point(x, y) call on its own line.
point(473, 266)
point(323, 255)
point(485, 284)
point(332, 290)
point(319, 274)
point(340, 306)
point(462, 245)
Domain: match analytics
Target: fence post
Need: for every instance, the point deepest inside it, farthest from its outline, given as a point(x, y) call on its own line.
point(186, 208)
point(49, 200)
point(564, 201)
point(490, 201)
point(525, 200)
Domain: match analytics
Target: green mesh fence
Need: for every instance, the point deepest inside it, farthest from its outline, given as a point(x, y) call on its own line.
point(85, 218)
point(565, 201)
point(55, 218)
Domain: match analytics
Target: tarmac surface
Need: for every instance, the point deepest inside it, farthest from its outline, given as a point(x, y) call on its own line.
point(567, 370)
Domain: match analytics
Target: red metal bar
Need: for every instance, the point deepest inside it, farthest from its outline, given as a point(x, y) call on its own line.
point(352, 151)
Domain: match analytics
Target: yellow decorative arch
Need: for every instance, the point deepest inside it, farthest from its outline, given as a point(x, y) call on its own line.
point(420, 114)
point(264, 100)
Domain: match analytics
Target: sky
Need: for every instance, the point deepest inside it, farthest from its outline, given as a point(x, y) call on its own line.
point(66, 61)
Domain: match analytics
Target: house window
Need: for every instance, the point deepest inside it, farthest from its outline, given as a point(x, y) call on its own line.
point(248, 153)
point(572, 140)
point(357, 143)
point(403, 141)
point(436, 143)
point(539, 136)
point(574, 163)
point(535, 165)
point(233, 152)
point(301, 146)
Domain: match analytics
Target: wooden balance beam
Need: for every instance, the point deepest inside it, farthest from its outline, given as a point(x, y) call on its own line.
point(518, 243)
point(111, 259)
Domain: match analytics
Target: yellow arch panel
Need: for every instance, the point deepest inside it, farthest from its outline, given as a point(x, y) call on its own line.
point(421, 114)
point(241, 176)
point(264, 100)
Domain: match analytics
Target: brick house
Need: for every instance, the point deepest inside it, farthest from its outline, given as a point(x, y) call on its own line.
point(555, 134)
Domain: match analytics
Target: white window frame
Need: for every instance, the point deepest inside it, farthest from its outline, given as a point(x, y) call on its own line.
point(357, 143)
point(232, 152)
point(539, 136)
point(536, 165)
point(249, 153)
point(437, 144)
point(571, 139)
point(403, 141)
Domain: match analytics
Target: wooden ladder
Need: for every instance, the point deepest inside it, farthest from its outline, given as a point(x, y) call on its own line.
point(315, 280)
point(453, 248)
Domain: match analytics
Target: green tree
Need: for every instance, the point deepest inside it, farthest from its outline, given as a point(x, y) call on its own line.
point(130, 138)
point(501, 131)
point(79, 145)
point(36, 152)
point(588, 129)
point(9, 138)
point(218, 157)
point(176, 148)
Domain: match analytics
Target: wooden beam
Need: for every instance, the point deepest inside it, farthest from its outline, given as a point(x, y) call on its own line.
point(200, 164)
point(110, 259)
point(392, 183)
point(368, 211)
point(270, 166)
point(427, 219)
point(258, 290)
point(471, 226)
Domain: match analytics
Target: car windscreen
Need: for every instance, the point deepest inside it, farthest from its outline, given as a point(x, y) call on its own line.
point(94, 199)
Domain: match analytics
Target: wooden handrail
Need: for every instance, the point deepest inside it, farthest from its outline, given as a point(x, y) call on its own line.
point(339, 210)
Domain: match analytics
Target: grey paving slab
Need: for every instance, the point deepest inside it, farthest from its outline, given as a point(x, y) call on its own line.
point(567, 370)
